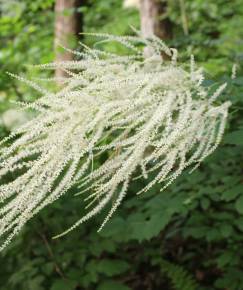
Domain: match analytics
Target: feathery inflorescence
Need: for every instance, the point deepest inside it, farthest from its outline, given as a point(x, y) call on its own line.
point(148, 115)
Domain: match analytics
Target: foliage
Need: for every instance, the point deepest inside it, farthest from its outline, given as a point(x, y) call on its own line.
point(196, 223)
point(180, 279)
point(99, 19)
point(213, 26)
point(23, 40)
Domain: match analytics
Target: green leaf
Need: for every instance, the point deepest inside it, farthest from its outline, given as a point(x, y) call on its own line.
point(232, 193)
point(63, 285)
point(205, 203)
point(196, 231)
point(225, 258)
point(47, 268)
point(146, 229)
point(112, 267)
point(213, 235)
point(235, 138)
point(115, 226)
point(239, 223)
point(239, 204)
point(226, 230)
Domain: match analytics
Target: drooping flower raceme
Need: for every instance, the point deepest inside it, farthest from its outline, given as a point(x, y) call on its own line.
point(147, 115)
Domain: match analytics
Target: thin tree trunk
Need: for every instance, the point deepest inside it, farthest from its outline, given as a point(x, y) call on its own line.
point(152, 23)
point(68, 24)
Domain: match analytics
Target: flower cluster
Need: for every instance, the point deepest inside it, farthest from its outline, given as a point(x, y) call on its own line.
point(148, 115)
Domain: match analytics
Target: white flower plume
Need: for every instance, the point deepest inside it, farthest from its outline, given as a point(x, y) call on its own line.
point(146, 115)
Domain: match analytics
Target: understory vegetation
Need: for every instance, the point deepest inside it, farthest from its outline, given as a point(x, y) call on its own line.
point(187, 237)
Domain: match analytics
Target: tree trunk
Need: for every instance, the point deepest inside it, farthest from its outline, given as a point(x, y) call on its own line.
point(68, 24)
point(152, 23)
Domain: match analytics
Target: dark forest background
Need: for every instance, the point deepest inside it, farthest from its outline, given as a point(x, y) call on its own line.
point(187, 238)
